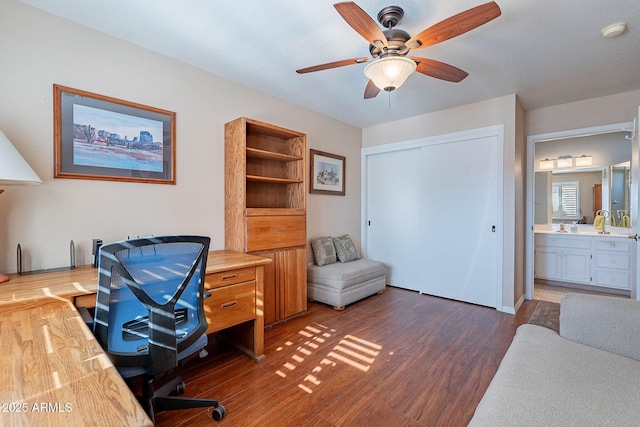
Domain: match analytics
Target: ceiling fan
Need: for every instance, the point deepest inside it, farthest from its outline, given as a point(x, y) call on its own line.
point(389, 48)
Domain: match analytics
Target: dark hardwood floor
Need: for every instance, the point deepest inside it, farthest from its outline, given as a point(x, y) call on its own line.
point(396, 359)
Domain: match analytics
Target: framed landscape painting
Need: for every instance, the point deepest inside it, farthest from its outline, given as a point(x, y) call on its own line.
point(327, 173)
point(97, 137)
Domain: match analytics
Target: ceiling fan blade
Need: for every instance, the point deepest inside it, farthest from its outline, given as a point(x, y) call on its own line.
point(362, 23)
point(371, 91)
point(330, 65)
point(439, 70)
point(455, 25)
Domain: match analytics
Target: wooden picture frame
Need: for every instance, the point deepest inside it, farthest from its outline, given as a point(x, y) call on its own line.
point(103, 138)
point(327, 173)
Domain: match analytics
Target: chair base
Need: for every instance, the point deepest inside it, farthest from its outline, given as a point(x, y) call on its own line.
point(159, 400)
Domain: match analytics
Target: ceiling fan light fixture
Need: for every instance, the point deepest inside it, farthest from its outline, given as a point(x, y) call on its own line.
point(614, 30)
point(389, 73)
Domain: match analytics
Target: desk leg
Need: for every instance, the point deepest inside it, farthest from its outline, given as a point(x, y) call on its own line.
point(258, 324)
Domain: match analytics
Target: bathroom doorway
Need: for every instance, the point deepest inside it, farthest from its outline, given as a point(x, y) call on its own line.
point(533, 210)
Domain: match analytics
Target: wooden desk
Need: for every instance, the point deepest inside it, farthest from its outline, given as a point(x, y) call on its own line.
point(49, 356)
point(231, 277)
point(37, 289)
point(55, 373)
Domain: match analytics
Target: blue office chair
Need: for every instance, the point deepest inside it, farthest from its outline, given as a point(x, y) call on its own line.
point(149, 313)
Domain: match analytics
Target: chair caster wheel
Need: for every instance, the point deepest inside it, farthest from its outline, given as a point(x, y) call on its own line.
point(218, 413)
point(180, 387)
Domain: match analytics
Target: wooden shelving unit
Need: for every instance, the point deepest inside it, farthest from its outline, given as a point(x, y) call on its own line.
point(265, 208)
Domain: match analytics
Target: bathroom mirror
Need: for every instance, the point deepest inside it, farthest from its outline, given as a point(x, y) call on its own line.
point(566, 194)
point(620, 194)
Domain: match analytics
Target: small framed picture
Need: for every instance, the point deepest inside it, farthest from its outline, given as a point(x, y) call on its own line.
point(327, 173)
point(97, 137)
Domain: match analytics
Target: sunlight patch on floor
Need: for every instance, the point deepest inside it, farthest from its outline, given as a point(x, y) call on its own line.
point(350, 350)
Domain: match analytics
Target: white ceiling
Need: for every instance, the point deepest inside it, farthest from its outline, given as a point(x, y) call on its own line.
point(548, 52)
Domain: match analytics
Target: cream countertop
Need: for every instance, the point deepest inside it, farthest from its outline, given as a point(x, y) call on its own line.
point(583, 230)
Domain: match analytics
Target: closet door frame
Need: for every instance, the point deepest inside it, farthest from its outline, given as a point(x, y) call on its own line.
point(490, 131)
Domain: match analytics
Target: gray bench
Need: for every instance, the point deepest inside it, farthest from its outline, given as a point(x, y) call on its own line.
point(342, 283)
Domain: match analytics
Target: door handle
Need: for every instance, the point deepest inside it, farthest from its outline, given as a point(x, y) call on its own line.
point(493, 228)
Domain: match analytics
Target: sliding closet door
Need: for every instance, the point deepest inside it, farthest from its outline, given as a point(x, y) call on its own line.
point(459, 206)
point(393, 216)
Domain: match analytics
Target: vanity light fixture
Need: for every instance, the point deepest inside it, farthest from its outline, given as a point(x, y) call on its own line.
point(584, 160)
point(547, 164)
point(565, 162)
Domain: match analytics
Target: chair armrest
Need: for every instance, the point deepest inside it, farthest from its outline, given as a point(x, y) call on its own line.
point(607, 323)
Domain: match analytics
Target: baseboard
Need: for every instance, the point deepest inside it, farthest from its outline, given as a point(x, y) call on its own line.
point(511, 310)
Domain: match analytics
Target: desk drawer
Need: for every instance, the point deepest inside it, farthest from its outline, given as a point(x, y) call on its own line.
point(230, 305)
point(85, 301)
point(230, 277)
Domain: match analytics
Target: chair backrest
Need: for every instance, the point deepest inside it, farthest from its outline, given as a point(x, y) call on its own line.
point(149, 305)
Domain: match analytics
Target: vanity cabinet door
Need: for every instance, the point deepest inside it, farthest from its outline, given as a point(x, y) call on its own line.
point(547, 263)
point(565, 258)
point(576, 266)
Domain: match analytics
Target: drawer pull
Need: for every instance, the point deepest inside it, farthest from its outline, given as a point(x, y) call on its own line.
point(228, 305)
point(206, 294)
point(613, 261)
point(612, 245)
point(230, 277)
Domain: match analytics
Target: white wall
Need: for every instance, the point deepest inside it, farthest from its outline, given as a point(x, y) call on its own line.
point(39, 49)
point(605, 110)
point(494, 111)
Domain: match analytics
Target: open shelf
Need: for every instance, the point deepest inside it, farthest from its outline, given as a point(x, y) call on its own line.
point(270, 155)
point(274, 212)
point(271, 180)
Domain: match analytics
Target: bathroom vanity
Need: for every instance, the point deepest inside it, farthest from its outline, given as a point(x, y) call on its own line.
point(585, 258)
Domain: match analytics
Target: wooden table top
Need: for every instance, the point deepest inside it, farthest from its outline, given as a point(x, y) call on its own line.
point(55, 373)
point(35, 289)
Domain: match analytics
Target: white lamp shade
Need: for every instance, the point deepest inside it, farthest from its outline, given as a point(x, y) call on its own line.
point(390, 73)
point(14, 170)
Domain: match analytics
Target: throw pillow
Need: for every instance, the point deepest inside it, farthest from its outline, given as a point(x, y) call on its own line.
point(345, 248)
point(323, 251)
